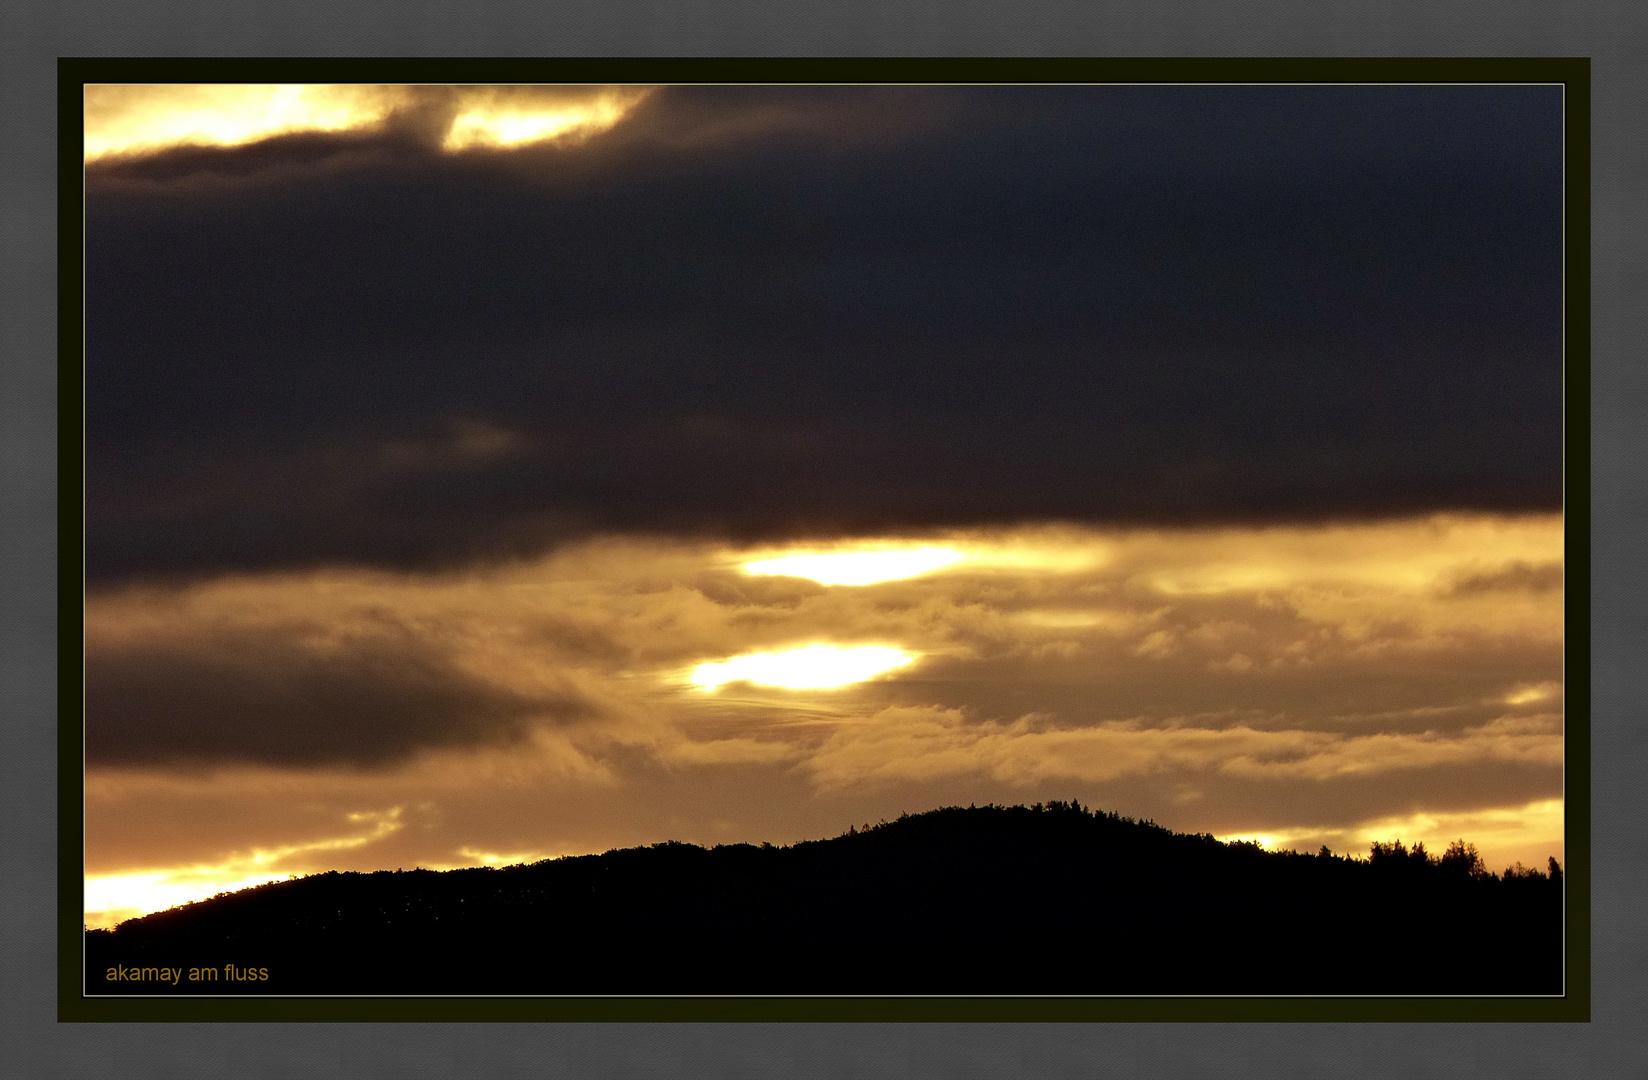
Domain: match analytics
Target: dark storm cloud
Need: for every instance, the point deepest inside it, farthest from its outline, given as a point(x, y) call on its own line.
point(781, 312)
point(265, 698)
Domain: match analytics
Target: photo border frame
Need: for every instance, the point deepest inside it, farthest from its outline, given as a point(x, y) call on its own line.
point(1574, 74)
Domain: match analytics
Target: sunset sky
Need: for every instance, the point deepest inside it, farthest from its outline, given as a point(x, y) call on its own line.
point(483, 474)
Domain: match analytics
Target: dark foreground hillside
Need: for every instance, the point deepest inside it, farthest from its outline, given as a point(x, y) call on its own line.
point(988, 900)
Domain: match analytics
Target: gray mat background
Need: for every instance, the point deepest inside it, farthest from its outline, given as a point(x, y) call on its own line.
point(35, 32)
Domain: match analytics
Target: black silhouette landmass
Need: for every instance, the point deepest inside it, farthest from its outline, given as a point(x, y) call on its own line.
point(1049, 899)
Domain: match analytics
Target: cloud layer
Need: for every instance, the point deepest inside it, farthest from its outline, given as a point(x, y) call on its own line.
point(1297, 682)
point(773, 313)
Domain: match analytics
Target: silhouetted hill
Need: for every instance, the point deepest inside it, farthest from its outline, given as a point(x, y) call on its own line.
point(985, 900)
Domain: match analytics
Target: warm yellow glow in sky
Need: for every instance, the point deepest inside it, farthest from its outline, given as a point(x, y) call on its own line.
point(1502, 835)
point(1268, 841)
point(493, 858)
point(814, 667)
point(114, 898)
point(1403, 555)
point(1524, 695)
point(857, 567)
point(1049, 550)
point(1525, 834)
point(111, 898)
point(143, 119)
point(487, 123)
point(133, 119)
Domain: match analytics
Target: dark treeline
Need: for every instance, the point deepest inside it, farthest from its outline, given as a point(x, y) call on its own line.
point(1050, 899)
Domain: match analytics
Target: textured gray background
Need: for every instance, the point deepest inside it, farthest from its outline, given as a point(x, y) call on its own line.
point(33, 33)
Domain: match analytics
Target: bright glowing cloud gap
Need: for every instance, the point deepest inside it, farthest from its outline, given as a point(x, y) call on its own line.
point(1524, 695)
point(490, 124)
point(131, 119)
point(813, 667)
point(857, 567)
point(143, 119)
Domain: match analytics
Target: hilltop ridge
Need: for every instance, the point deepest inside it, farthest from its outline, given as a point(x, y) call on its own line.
point(1049, 899)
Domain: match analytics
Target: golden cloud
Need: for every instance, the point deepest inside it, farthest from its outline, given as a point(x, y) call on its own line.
point(141, 119)
point(1167, 663)
point(906, 743)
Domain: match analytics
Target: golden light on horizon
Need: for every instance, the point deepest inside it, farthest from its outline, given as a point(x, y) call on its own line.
point(1268, 841)
point(857, 567)
point(112, 898)
point(493, 858)
point(1526, 833)
point(812, 667)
